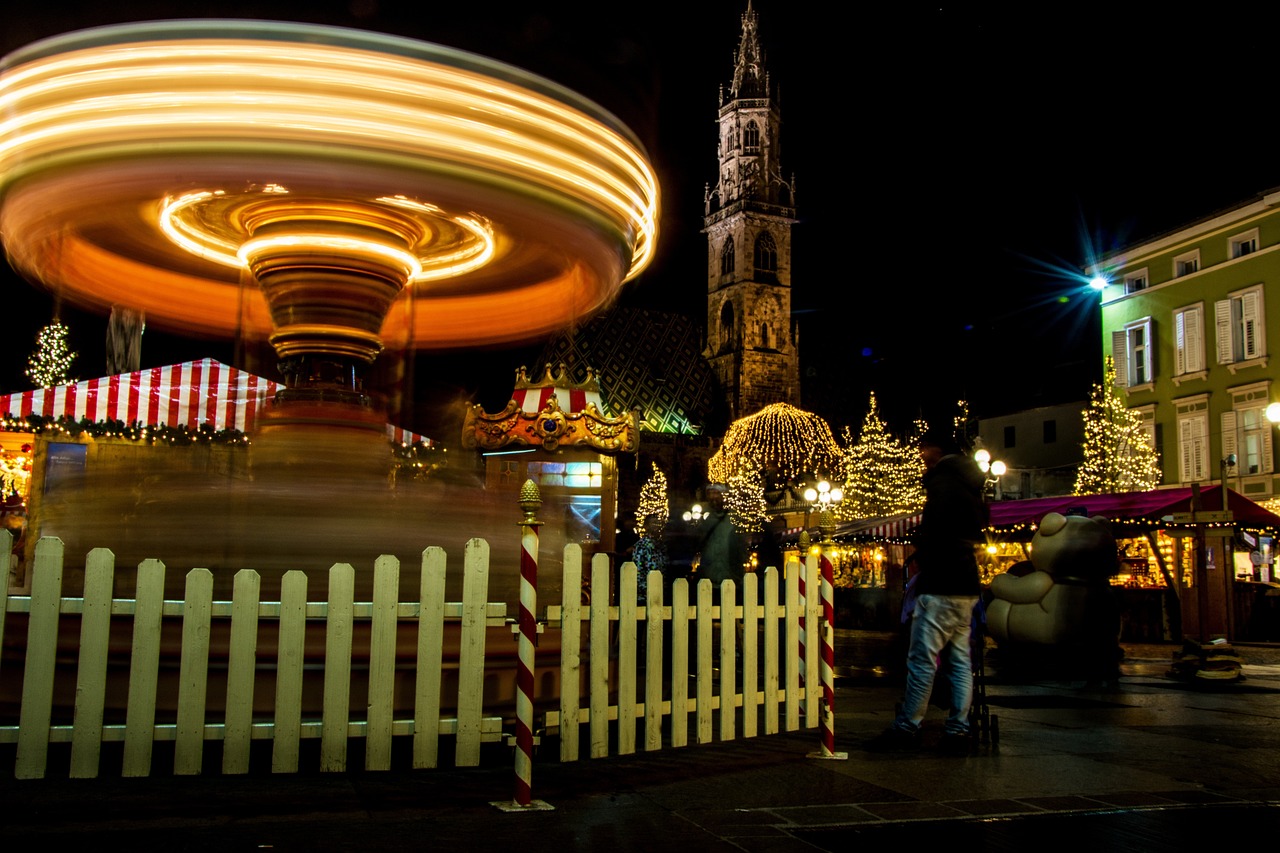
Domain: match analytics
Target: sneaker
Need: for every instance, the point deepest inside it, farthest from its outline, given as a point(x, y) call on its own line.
point(894, 739)
point(955, 744)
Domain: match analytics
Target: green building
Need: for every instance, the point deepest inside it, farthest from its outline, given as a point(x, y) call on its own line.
point(1185, 315)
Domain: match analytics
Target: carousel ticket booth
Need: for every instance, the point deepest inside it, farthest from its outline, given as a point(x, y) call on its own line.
point(554, 432)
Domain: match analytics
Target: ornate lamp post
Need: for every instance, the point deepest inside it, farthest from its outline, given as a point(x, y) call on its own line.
point(993, 468)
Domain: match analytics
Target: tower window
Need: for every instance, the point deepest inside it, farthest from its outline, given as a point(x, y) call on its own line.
point(764, 335)
point(726, 326)
point(766, 253)
point(726, 257)
point(751, 136)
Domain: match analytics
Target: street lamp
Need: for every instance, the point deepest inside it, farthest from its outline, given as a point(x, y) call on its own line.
point(824, 496)
point(694, 514)
point(993, 468)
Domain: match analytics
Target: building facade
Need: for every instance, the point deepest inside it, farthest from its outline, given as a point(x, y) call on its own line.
point(751, 339)
point(1185, 316)
point(1041, 447)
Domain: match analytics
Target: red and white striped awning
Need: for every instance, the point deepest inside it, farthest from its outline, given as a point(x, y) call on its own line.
point(534, 400)
point(895, 527)
point(532, 395)
point(190, 394)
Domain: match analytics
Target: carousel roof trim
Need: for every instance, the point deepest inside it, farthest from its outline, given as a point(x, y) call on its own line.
point(552, 413)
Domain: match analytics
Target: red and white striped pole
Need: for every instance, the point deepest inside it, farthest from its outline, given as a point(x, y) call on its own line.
point(827, 663)
point(530, 500)
point(803, 544)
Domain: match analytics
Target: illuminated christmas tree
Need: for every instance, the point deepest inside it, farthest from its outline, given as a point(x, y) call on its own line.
point(744, 500)
point(881, 473)
point(654, 503)
point(1118, 456)
point(50, 364)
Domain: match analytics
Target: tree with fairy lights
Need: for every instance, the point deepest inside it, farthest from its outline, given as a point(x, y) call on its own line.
point(654, 503)
point(881, 473)
point(1118, 456)
point(745, 502)
point(782, 442)
point(50, 364)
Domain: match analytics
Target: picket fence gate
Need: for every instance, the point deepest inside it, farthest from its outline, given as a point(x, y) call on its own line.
point(760, 682)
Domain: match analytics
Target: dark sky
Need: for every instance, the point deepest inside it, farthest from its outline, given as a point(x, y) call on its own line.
point(954, 166)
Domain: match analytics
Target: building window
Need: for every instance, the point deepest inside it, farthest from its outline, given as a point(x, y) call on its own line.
point(1244, 244)
point(1133, 349)
point(1241, 335)
point(1188, 340)
point(1050, 432)
point(727, 257)
point(1192, 417)
point(1010, 437)
point(1135, 281)
point(1192, 436)
point(726, 326)
point(1149, 426)
point(766, 254)
point(751, 136)
point(1186, 264)
point(1246, 432)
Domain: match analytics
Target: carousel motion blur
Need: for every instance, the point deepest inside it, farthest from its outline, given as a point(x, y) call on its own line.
point(315, 187)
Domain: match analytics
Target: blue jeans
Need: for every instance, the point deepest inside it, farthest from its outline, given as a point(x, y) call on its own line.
point(939, 633)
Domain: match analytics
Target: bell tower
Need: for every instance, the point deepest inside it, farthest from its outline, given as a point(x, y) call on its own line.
point(751, 340)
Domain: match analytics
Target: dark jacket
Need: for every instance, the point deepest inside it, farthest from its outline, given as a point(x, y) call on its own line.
point(951, 525)
point(724, 550)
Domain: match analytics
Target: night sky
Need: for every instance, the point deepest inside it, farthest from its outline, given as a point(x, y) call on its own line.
point(955, 169)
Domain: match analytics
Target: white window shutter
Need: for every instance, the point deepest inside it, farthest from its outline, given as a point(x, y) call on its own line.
point(1194, 340)
point(1149, 343)
point(1120, 354)
point(1197, 450)
point(1228, 434)
point(1268, 464)
point(1184, 450)
point(1180, 343)
point(1222, 322)
point(1250, 322)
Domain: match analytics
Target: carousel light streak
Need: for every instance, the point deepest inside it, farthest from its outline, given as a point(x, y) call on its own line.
point(506, 196)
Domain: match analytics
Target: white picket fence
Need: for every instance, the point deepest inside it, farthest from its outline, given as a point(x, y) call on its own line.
point(757, 683)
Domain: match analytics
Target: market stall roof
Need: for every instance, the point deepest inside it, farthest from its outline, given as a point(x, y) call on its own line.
point(889, 528)
point(1146, 508)
point(191, 394)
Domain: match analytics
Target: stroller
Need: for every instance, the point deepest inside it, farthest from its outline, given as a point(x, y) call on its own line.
point(984, 725)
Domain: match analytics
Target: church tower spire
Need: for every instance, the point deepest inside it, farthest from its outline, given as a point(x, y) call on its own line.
point(751, 340)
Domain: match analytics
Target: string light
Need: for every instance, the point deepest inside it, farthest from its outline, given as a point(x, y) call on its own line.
point(418, 459)
point(654, 503)
point(744, 501)
point(781, 441)
point(50, 364)
point(882, 474)
point(1118, 456)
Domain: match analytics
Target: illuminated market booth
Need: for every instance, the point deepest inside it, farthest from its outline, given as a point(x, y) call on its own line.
point(553, 431)
point(1160, 533)
point(1157, 535)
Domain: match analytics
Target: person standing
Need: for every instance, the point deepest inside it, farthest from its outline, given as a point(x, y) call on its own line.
point(724, 549)
point(947, 589)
